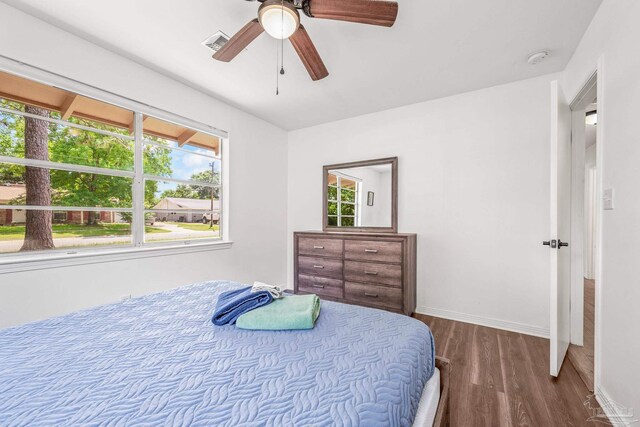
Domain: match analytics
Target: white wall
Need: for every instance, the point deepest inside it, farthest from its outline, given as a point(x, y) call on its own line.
point(613, 36)
point(590, 207)
point(474, 185)
point(258, 213)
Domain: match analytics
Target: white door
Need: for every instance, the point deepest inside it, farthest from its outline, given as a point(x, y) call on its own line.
point(559, 254)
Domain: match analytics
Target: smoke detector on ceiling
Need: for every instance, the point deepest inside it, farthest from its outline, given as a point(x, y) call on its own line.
point(538, 57)
point(216, 41)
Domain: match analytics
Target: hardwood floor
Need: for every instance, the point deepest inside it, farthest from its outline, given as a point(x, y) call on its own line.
point(501, 378)
point(582, 357)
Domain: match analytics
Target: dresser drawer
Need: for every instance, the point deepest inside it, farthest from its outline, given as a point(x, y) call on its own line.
point(320, 247)
point(321, 286)
point(317, 266)
point(365, 250)
point(386, 274)
point(373, 295)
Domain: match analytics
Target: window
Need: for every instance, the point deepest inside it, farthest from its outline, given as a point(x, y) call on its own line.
point(76, 172)
point(343, 209)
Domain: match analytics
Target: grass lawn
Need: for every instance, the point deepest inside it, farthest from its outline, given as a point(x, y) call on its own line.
point(196, 226)
point(16, 232)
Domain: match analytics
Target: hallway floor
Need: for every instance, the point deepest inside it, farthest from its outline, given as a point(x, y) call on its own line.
point(582, 357)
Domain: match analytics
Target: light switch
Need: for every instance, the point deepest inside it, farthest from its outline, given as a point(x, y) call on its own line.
point(607, 199)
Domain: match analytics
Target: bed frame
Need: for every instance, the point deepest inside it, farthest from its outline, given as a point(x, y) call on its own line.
point(442, 414)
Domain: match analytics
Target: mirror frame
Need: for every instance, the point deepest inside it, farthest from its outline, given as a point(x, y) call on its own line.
point(393, 161)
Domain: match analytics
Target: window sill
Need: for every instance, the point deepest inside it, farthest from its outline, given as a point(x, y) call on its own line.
point(56, 260)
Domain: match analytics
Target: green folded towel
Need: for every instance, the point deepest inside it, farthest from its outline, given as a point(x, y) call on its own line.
point(289, 312)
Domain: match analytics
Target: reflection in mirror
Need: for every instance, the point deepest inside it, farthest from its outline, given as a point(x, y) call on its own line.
point(360, 196)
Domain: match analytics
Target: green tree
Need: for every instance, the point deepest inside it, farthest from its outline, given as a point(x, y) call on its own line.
point(11, 143)
point(77, 146)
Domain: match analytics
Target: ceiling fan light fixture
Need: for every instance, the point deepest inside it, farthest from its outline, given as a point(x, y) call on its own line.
point(280, 19)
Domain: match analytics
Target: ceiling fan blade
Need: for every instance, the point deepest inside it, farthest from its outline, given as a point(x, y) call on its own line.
point(308, 54)
point(372, 12)
point(239, 42)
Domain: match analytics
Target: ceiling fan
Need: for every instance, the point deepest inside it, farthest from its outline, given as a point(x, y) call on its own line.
point(281, 20)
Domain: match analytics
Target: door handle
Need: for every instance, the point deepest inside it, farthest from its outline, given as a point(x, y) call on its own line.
point(561, 244)
point(550, 243)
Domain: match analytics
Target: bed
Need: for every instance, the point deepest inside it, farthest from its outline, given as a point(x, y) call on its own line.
point(158, 360)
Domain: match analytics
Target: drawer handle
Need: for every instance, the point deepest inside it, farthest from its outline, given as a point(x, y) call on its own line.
point(318, 266)
point(318, 286)
point(371, 273)
point(367, 294)
point(318, 247)
point(372, 251)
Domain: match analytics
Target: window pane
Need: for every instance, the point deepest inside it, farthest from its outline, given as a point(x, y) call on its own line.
point(347, 221)
point(332, 193)
point(332, 220)
point(188, 163)
point(346, 209)
point(182, 224)
point(332, 179)
point(29, 230)
point(38, 139)
point(28, 185)
point(347, 195)
point(160, 130)
point(332, 208)
point(347, 183)
point(172, 195)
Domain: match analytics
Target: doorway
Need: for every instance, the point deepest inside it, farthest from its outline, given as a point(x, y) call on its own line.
point(585, 216)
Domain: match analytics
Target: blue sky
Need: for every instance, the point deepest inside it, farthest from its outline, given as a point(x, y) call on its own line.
point(185, 164)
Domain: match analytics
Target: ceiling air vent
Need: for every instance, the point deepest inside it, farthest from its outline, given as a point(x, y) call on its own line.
point(216, 41)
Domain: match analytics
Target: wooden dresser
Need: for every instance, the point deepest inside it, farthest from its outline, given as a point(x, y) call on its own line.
point(371, 269)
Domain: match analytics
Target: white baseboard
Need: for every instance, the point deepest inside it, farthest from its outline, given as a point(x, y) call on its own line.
point(485, 321)
point(617, 414)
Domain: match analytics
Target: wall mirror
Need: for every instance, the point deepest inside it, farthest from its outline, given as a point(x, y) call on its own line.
point(361, 196)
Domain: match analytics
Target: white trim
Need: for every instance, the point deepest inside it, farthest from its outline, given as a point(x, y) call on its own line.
point(68, 167)
point(40, 75)
point(180, 181)
point(520, 328)
point(138, 187)
point(196, 211)
point(59, 259)
point(613, 410)
point(65, 208)
point(597, 340)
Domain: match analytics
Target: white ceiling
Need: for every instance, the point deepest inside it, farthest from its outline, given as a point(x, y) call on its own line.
point(435, 49)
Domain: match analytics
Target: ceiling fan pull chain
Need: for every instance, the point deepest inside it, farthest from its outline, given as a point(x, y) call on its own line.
point(282, 40)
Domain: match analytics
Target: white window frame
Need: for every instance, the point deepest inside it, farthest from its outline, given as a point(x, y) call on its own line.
point(356, 203)
point(13, 262)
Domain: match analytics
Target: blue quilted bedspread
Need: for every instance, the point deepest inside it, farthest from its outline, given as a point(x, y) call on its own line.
point(158, 361)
